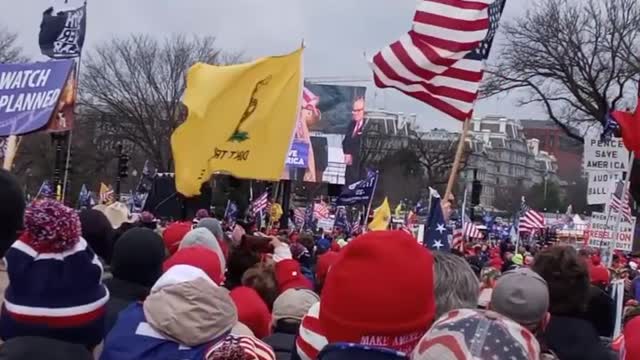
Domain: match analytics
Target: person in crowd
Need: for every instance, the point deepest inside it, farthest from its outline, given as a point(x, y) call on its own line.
point(262, 278)
point(488, 279)
point(136, 265)
point(148, 220)
point(252, 310)
point(214, 226)
point(470, 334)
point(173, 235)
point(12, 207)
point(301, 254)
point(98, 232)
point(288, 311)
point(601, 309)
point(55, 287)
point(32, 347)
point(380, 292)
point(185, 314)
point(204, 237)
point(324, 263)
point(235, 347)
point(568, 334)
point(456, 285)
point(201, 257)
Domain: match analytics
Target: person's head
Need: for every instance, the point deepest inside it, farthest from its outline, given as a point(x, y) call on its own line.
point(522, 295)
point(292, 305)
point(252, 311)
point(173, 235)
point(138, 256)
point(213, 225)
point(49, 267)
point(261, 277)
point(204, 237)
point(323, 265)
point(358, 109)
point(631, 332)
point(200, 257)
point(379, 292)
point(567, 278)
point(467, 334)
point(517, 259)
point(98, 232)
point(11, 209)
point(456, 285)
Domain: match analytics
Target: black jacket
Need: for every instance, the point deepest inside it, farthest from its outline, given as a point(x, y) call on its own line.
point(31, 347)
point(601, 311)
point(283, 340)
point(121, 294)
point(572, 338)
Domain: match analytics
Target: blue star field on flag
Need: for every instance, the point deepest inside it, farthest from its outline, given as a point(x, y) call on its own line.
point(436, 235)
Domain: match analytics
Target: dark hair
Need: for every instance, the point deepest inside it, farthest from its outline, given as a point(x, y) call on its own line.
point(567, 277)
point(262, 278)
point(11, 210)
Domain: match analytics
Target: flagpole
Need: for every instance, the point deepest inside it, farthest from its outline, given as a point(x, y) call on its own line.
point(614, 241)
point(464, 210)
point(11, 151)
point(366, 215)
point(458, 159)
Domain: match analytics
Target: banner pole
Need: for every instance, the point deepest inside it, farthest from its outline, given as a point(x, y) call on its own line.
point(11, 151)
point(457, 159)
point(373, 193)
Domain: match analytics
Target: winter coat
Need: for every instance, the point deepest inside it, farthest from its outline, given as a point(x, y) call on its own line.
point(601, 311)
point(283, 339)
point(185, 314)
point(572, 338)
point(123, 293)
point(31, 347)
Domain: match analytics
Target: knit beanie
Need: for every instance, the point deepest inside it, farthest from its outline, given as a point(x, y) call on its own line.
point(97, 231)
point(55, 287)
point(252, 311)
point(203, 237)
point(379, 292)
point(173, 235)
point(138, 256)
point(11, 210)
point(198, 256)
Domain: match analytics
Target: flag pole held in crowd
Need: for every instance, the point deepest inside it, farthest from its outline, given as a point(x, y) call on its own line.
point(457, 160)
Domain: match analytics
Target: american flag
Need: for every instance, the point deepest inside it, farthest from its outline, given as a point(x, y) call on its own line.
point(240, 347)
point(260, 204)
point(441, 60)
point(320, 210)
point(457, 240)
point(530, 220)
point(107, 195)
point(298, 216)
point(620, 200)
point(471, 231)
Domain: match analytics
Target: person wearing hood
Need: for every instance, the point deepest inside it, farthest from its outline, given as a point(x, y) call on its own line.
point(136, 265)
point(204, 237)
point(55, 288)
point(252, 310)
point(288, 311)
point(185, 314)
point(173, 235)
point(98, 232)
point(214, 226)
point(12, 207)
point(568, 334)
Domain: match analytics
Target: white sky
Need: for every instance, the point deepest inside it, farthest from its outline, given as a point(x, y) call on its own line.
point(337, 34)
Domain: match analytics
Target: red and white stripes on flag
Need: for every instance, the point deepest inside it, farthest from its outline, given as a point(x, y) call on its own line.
point(457, 241)
point(320, 211)
point(620, 201)
point(298, 216)
point(471, 231)
point(260, 204)
point(531, 221)
point(441, 60)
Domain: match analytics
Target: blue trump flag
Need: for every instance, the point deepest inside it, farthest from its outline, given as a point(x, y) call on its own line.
point(84, 199)
point(341, 220)
point(359, 192)
point(436, 235)
point(231, 212)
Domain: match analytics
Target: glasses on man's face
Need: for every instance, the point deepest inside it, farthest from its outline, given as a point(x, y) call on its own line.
point(357, 110)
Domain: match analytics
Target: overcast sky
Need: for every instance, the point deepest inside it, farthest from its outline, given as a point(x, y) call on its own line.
point(337, 33)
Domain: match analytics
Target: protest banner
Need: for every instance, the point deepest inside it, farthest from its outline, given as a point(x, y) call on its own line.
point(29, 94)
point(607, 156)
point(601, 232)
point(600, 186)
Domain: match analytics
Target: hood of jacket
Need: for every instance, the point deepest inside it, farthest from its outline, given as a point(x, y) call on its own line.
point(189, 308)
point(574, 338)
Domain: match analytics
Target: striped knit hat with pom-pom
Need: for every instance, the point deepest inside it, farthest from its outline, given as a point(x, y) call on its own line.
point(55, 287)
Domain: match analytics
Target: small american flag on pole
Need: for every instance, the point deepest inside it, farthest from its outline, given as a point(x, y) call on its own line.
point(441, 60)
point(531, 221)
point(471, 231)
point(620, 200)
point(298, 216)
point(260, 204)
point(320, 210)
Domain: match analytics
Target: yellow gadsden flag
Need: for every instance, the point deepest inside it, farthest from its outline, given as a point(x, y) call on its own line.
point(241, 120)
point(381, 217)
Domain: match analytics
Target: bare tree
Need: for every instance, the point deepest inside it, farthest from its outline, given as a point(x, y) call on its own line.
point(436, 158)
point(134, 87)
point(568, 56)
point(10, 52)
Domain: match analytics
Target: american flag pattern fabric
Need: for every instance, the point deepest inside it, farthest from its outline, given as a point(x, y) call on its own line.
point(531, 221)
point(440, 61)
point(471, 231)
point(240, 348)
point(457, 241)
point(260, 204)
point(469, 334)
point(321, 210)
point(620, 201)
point(298, 216)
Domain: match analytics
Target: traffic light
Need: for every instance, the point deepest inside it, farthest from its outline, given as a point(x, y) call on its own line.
point(476, 191)
point(123, 166)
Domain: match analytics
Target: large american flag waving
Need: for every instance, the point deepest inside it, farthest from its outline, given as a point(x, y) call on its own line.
point(441, 60)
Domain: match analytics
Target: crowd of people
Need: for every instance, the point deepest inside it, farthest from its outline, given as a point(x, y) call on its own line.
point(76, 286)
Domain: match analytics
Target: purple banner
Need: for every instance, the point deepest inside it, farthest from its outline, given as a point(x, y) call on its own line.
point(29, 94)
point(298, 156)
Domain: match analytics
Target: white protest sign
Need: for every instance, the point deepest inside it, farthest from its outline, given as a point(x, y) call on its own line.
point(326, 224)
point(601, 232)
point(601, 184)
point(609, 156)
